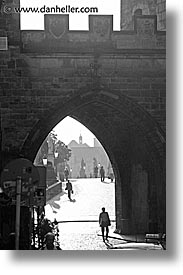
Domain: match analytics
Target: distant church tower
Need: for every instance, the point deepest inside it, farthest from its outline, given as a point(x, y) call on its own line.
point(80, 139)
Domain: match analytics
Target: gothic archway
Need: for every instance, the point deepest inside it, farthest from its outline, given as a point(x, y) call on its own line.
point(135, 145)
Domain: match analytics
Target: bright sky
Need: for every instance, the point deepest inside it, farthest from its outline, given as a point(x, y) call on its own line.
point(76, 21)
point(69, 129)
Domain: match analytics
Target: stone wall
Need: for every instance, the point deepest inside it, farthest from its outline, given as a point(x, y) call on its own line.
point(112, 82)
point(53, 190)
point(33, 79)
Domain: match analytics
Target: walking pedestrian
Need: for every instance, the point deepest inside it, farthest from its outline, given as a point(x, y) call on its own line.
point(69, 189)
point(66, 173)
point(104, 222)
point(102, 173)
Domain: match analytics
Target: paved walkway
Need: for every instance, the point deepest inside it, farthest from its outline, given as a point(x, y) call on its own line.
point(83, 236)
point(90, 195)
point(78, 219)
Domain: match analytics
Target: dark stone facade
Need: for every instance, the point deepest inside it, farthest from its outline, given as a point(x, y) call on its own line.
point(112, 82)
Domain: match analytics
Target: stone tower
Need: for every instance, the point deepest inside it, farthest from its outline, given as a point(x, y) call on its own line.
point(80, 139)
point(112, 82)
point(146, 7)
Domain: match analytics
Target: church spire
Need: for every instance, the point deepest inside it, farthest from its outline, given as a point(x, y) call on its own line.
point(80, 139)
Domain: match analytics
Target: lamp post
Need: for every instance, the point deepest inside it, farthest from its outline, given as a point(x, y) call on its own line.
point(56, 156)
point(84, 167)
point(71, 173)
point(45, 161)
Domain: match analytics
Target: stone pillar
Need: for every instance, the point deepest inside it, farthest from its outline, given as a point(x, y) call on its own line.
point(118, 202)
point(132, 205)
point(123, 199)
point(139, 202)
point(157, 198)
point(126, 200)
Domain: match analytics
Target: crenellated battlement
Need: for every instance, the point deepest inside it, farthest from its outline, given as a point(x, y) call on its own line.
point(113, 82)
point(58, 38)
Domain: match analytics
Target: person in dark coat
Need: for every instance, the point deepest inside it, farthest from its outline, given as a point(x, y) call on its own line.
point(69, 189)
point(102, 173)
point(104, 222)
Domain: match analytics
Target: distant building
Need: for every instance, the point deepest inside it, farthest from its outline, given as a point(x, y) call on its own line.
point(90, 156)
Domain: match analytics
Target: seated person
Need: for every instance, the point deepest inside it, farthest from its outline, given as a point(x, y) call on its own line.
point(49, 242)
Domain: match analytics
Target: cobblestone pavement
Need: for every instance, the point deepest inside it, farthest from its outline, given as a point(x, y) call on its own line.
point(83, 237)
point(79, 228)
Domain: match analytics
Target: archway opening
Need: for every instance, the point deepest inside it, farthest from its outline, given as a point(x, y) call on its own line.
point(135, 145)
point(72, 153)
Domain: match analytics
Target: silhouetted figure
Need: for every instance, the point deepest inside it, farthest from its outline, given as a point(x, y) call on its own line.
point(104, 222)
point(95, 171)
point(45, 227)
point(49, 242)
point(69, 189)
point(66, 173)
point(111, 176)
point(102, 173)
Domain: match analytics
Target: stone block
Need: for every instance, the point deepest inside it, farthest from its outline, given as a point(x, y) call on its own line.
point(5, 85)
point(11, 64)
point(21, 63)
